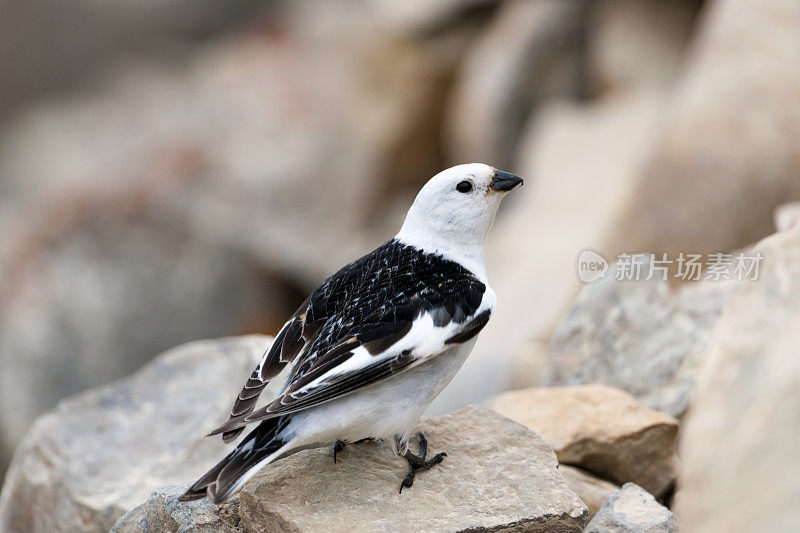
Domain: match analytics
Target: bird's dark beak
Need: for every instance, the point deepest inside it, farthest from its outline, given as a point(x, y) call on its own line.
point(504, 181)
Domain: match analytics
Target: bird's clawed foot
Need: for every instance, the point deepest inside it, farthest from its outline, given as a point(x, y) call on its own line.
point(418, 462)
point(340, 444)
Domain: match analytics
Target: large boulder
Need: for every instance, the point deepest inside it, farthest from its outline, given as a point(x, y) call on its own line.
point(600, 429)
point(739, 439)
point(498, 475)
point(102, 452)
point(643, 336)
point(724, 158)
point(632, 509)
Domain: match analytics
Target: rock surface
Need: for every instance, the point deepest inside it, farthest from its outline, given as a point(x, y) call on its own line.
point(163, 512)
point(592, 490)
point(102, 452)
point(716, 173)
point(600, 429)
point(498, 476)
point(739, 459)
point(640, 336)
point(632, 509)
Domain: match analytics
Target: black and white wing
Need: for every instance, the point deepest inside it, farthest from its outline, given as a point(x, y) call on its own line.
point(389, 311)
point(290, 341)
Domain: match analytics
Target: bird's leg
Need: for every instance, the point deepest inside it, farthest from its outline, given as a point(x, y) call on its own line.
point(340, 444)
point(418, 462)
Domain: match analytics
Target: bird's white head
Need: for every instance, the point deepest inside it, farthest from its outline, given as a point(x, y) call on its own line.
point(454, 211)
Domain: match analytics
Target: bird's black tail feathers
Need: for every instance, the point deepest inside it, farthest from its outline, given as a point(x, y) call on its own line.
point(222, 481)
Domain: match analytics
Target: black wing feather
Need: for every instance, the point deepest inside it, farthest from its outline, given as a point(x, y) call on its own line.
point(371, 302)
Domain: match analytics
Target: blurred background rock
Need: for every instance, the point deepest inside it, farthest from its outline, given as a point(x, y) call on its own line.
point(174, 170)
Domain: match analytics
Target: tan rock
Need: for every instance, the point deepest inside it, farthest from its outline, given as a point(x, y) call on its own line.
point(100, 453)
point(739, 440)
point(632, 509)
point(600, 429)
point(498, 476)
point(592, 490)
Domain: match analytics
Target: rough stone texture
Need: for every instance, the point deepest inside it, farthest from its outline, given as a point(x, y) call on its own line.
point(611, 136)
point(163, 512)
point(739, 440)
point(592, 490)
point(498, 476)
point(600, 429)
point(724, 159)
point(102, 452)
point(632, 509)
point(640, 336)
point(501, 80)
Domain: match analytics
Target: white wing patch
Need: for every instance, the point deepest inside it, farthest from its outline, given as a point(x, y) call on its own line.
point(423, 341)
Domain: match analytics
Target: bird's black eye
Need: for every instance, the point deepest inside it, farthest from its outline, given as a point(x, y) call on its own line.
point(464, 186)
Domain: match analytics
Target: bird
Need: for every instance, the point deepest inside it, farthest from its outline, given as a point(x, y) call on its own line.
point(367, 352)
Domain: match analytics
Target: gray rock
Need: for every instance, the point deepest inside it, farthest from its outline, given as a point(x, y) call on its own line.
point(640, 336)
point(498, 476)
point(601, 429)
point(102, 452)
point(632, 509)
point(739, 442)
point(163, 512)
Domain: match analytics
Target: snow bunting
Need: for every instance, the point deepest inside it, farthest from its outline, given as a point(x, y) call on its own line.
point(374, 344)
